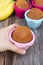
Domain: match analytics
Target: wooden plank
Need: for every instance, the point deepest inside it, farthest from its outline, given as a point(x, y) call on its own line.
point(2, 57)
point(40, 43)
point(10, 58)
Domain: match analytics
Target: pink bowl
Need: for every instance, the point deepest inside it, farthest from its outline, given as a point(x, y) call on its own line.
point(21, 45)
point(20, 12)
point(37, 6)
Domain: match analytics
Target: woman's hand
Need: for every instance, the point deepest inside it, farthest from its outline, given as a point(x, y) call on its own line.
point(5, 44)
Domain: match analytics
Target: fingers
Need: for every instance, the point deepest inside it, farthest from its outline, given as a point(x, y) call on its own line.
point(8, 27)
point(16, 49)
point(11, 26)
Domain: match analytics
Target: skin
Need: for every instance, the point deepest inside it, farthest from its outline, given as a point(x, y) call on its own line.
point(5, 44)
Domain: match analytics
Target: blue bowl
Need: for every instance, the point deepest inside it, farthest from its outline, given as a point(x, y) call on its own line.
point(32, 23)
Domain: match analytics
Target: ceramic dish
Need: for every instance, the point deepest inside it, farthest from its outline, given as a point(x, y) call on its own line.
point(37, 6)
point(20, 12)
point(21, 45)
point(32, 23)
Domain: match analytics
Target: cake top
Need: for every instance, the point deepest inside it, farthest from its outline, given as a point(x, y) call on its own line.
point(22, 4)
point(22, 34)
point(35, 13)
point(39, 2)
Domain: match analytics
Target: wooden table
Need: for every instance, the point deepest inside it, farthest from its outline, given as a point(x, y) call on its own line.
point(34, 55)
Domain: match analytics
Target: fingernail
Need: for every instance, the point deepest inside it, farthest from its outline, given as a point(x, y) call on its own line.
point(23, 51)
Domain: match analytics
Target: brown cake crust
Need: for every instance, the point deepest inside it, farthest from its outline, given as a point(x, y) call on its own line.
point(35, 13)
point(22, 34)
point(22, 4)
point(39, 2)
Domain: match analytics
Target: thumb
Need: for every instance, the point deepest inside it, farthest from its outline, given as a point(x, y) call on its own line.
point(16, 49)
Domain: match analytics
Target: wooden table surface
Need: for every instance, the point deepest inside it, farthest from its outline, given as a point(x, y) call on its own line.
point(34, 55)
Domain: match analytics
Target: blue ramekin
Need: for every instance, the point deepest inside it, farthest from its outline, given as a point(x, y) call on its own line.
point(32, 23)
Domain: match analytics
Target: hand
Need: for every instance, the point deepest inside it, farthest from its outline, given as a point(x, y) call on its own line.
point(5, 44)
